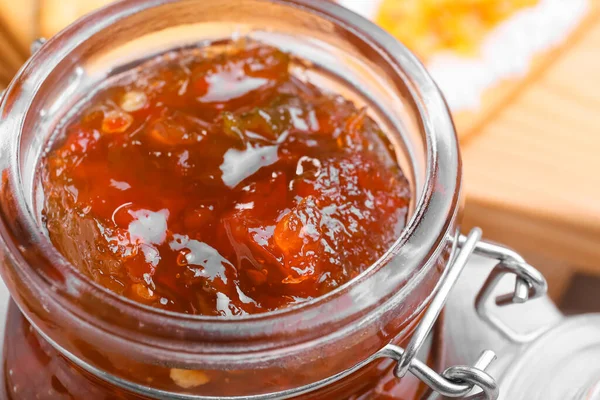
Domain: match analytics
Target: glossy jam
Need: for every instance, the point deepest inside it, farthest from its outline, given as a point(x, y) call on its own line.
point(216, 182)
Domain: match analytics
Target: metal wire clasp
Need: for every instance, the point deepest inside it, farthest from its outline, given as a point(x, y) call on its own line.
point(458, 381)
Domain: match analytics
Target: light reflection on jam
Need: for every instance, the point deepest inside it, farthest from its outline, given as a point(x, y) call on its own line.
point(216, 183)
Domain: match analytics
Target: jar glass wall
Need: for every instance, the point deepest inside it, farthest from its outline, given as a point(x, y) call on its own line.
point(134, 346)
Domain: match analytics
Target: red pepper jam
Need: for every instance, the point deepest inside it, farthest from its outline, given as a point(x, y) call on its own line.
point(216, 182)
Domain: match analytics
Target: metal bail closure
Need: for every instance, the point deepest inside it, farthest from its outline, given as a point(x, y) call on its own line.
point(529, 284)
point(458, 381)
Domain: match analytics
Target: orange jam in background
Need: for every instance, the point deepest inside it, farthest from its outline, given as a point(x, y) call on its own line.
point(429, 26)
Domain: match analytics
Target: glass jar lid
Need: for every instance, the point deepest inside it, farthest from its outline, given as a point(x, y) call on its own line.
point(562, 364)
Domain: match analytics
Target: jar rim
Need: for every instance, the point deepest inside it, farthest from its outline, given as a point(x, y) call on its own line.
point(435, 210)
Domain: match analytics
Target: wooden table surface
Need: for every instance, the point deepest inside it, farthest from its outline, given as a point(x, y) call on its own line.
point(532, 170)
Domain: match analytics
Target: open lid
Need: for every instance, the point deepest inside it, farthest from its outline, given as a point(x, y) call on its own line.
point(562, 364)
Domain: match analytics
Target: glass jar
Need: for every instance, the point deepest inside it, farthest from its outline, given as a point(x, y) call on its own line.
point(101, 345)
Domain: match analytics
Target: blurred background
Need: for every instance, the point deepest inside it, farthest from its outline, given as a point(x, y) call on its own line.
point(522, 78)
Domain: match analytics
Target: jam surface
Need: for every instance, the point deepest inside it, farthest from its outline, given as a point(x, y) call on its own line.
point(216, 182)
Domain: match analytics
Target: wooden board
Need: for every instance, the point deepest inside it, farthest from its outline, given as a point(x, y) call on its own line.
point(19, 19)
point(23, 21)
point(494, 99)
point(532, 170)
point(10, 58)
